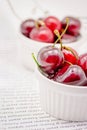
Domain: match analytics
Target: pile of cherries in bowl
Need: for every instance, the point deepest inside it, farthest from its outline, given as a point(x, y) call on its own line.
point(42, 29)
point(62, 63)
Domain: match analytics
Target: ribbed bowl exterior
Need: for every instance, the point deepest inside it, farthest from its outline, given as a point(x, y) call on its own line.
point(62, 102)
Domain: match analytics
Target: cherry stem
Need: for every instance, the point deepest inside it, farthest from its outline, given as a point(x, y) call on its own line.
point(68, 62)
point(69, 49)
point(35, 60)
point(39, 22)
point(13, 11)
point(38, 65)
point(57, 33)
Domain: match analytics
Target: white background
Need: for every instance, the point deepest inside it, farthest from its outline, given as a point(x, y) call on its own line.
point(12, 74)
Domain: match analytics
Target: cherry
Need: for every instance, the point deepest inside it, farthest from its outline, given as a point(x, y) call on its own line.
point(61, 64)
point(50, 58)
point(70, 55)
point(67, 38)
point(27, 26)
point(85, 84)
point(53, 23)
point(74, 26)
point(61, 70)
point(74, 75)
point(82, 61)
point(42, 34)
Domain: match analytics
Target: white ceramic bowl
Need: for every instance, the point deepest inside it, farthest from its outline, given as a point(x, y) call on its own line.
point(26, 48)
point(62, 101)
point(35, 9)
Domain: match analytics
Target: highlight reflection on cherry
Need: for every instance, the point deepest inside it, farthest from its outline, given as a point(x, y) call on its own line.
point(50, 58)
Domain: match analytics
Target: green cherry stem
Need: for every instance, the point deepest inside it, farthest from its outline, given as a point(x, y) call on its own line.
point(38, 65)
point(65, 47)
point(35, 60)
point(56, 31)
point(59, 38)
point(58, 35)
point(68, 62)
point(38, 23)
point(69, 49)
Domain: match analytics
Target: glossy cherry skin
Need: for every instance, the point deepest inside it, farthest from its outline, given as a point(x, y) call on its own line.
point(85, 84)
point(50, 58)
point(53, 23)
point(42, 34)
point(74, 25)
point(69, 56)
point(27, 26)
point(82, 61)
point(62, 69)
point(67, 38)
point(74, 75)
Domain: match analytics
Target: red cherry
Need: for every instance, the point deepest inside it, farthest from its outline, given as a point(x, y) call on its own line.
point(74, 26)
point(85, 84)
point(67, 38)
point(83, 62)
point(74, 75)
point(70, 55)
point(50, 58)
point(61, 70)
point(53, 23)
point(42, 34)
point(27, 26)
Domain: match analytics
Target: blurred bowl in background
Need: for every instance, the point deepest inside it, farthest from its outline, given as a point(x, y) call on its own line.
point(36, 9)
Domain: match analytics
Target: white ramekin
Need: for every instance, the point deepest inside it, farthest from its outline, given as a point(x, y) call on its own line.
point(26, 48)
point(62, 101)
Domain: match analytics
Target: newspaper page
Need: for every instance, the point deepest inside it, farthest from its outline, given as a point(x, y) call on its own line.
point(20, 104)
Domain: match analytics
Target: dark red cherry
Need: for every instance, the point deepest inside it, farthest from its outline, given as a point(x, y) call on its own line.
point(85, 84)
point(62, 70)
point(74, 25)
point(70, 55)
point(53, 23)
point(74, 75)
point(50, 58)
point(27, 26)
point(83, 62)
point(42, 34)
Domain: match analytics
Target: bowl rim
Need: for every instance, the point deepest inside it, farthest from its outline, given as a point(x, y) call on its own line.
point(82, 89)
point(73, 44)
